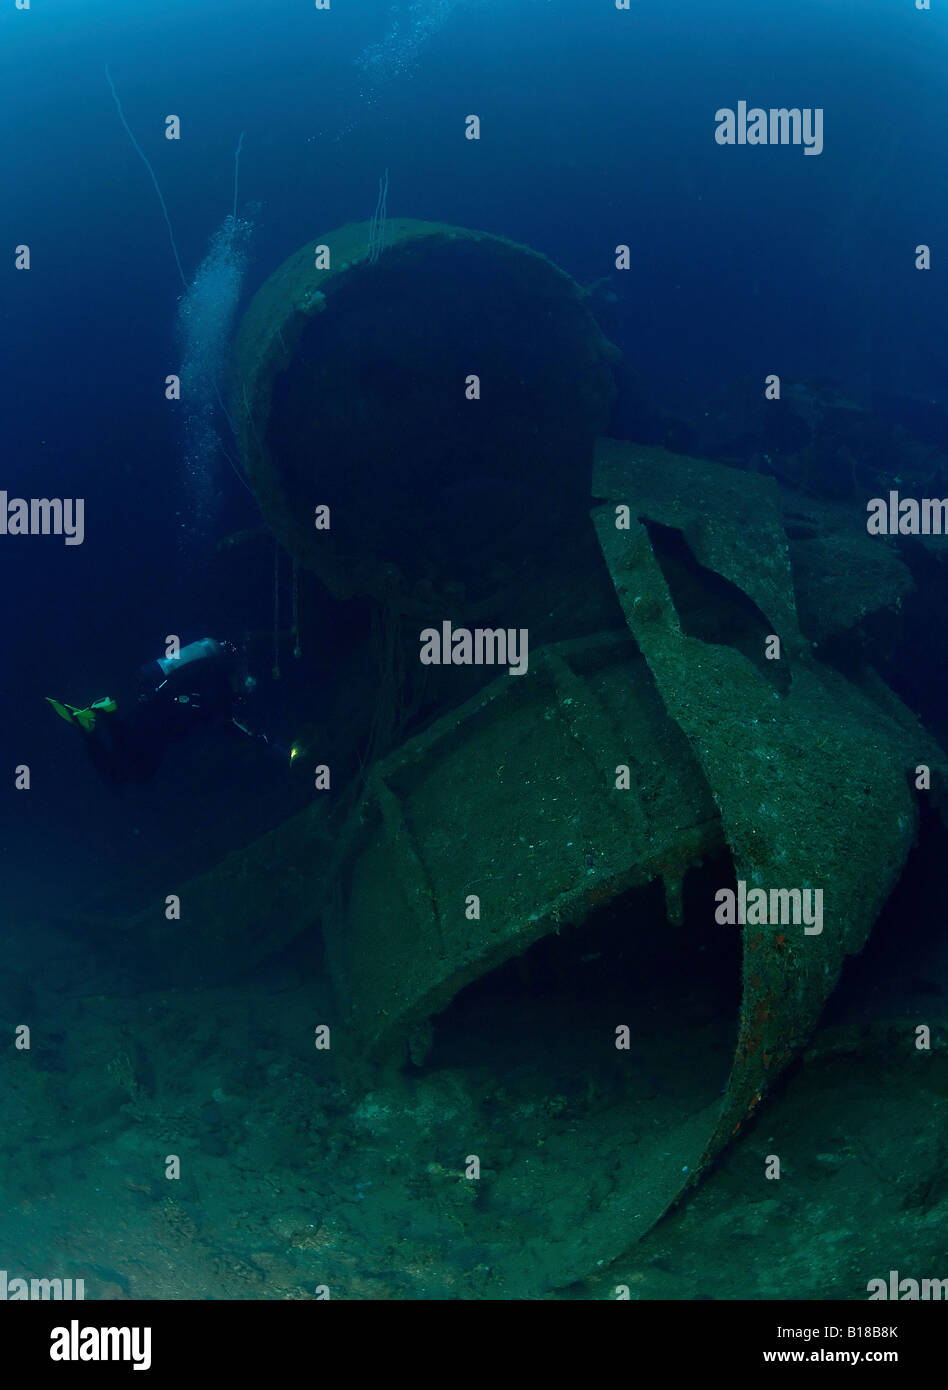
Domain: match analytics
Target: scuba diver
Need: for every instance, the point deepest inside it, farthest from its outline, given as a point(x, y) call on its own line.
point(206, 683)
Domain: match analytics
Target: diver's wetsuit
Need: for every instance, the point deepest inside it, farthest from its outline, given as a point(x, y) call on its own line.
point(172, 699)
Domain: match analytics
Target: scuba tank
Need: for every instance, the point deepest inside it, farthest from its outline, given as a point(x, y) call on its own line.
point(203, 650)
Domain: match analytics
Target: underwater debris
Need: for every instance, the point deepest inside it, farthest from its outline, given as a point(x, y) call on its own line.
point(361, 364)
point(619, 763)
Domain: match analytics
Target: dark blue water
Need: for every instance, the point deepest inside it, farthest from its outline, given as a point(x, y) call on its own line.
point(598, 129)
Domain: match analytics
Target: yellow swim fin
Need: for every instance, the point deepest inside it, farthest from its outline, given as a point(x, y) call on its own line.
point(85, 718)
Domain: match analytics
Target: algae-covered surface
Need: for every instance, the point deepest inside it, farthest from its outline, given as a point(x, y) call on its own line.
point(291, 1186)
point(474, 1030)
point(354, 389)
